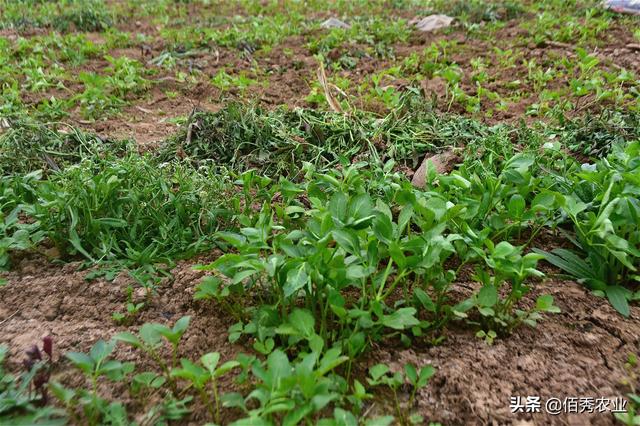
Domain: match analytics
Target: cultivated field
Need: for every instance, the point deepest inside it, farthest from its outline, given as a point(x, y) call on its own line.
point(317, 213)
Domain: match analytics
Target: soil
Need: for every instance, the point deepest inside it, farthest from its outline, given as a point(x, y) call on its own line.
point(577, 353)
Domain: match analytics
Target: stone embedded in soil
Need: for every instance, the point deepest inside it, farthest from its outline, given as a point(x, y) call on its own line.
point(435, 86)
point(433, 22)
point(335, 23)
point(442, 163)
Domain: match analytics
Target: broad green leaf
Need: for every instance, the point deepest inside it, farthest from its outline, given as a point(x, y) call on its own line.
point(210, 361)
point(293, 418)
point(181, 325)
point(226, 367)
point(297, 278)
point(379, 421)
point(101, 350)
point(378, 370)
point(303, 321)
point(279, 366)
point(128, 338)
point(424, 299)
point(516, 206)
point(488, 296)
point(344, 418)
point(404, 217)
point(411, 373)
point(545, 303)
point(383, 228)
point(208, 288)
point(360, 206)
point(329, 361)
point(338, 206)
point(83, 361)
point(426, 373)
point(347, 239)
point(149, 334)
point(617, 296)
point(252, 421)
point(503, 250)
point(401, 319)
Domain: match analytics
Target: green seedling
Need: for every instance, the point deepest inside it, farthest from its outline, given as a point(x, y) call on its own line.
point(94, 365)
point(632, 415)
point(150, 341)
point(510, 270)
point(132, 309)
point(381, 374)
point(201, 376)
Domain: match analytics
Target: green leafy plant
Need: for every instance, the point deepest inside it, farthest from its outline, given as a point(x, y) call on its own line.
point(290, 392)
point(380, 374)
point(346, 240)
point(94, 365)
point(205, 376)
point(510, 270)
point(603, 209)
point(150, 342)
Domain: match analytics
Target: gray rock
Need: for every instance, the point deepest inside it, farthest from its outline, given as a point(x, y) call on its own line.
point(433, 22)
point(334, 23)
point(623, 6)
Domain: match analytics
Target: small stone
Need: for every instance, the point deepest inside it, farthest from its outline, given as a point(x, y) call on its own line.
point(442, 163)
point(50, 312)
point(623, 6)
point(433, 22)
point(335, 23)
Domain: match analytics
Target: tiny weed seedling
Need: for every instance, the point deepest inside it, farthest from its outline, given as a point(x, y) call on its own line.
point(132, 309)
point(150, 342)
point(205, 377)
point(380, 374)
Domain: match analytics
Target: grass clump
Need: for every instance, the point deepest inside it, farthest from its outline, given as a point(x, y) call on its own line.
point(63, 16)
point(245, 137)
point(595, 136)
point(278, 142)
point(128, 208)
point(28, 146)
